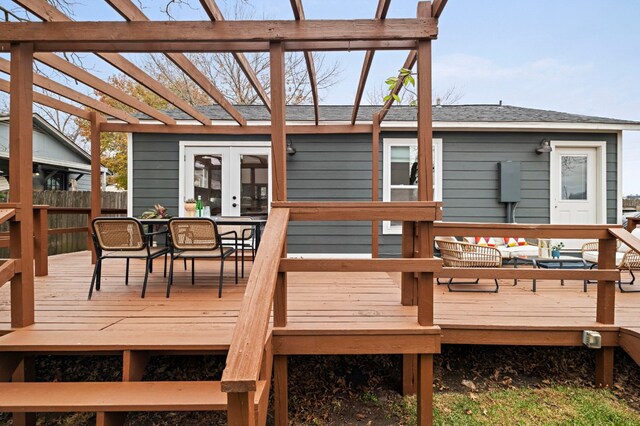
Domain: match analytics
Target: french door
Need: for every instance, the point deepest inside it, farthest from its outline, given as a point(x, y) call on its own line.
point(231, 181)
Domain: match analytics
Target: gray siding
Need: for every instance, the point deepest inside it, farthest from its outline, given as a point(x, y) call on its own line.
point(337, 167)
point(44, 146)
point(470, 176)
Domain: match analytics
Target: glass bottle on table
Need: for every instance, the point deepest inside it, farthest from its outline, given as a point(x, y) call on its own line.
point(199, 206)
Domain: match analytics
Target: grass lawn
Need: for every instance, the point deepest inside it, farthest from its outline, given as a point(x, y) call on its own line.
point(555, 405)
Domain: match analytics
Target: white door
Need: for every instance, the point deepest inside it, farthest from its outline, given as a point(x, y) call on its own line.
point(575, 188)
point(232, 181)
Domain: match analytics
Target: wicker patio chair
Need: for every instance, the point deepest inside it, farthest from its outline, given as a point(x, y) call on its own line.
point(458, 254)
point(243, 235)
point(625, 261)
point(123, 238)
point(197, 238)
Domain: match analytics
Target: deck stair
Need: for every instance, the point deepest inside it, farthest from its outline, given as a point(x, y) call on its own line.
point(112, 400)
point(630, 342)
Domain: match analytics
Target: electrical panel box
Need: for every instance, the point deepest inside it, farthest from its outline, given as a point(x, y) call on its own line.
point(510, 181)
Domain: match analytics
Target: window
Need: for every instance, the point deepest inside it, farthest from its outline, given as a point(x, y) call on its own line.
point(400, 174)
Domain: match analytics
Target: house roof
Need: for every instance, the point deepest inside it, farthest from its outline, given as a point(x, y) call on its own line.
point(442, 113)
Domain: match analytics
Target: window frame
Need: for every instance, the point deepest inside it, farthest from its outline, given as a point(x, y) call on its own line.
point(387, 144)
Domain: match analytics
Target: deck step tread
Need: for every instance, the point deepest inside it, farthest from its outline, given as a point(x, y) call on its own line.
point(64, 341)
point(630, 342)
point(115, 396)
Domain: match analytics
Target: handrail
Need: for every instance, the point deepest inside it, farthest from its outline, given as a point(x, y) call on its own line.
point(417, 211)
point(626, 237)
point(456, 229)
point(247, 344)
point(6, 214)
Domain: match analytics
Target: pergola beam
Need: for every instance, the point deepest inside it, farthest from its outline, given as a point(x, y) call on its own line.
point(381, 13)
point(54, 18)
point(56, 62)
point(298, 13)
point(198, 129)
point(62, 90)
point(215, 14)
point(438, 7)
point(50, 102)
point(122, 33)
point(130, 11)
point(218, 47)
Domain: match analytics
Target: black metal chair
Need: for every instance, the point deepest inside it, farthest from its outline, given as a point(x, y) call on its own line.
point(123, 238)
point(197, 238)
point(244, 236)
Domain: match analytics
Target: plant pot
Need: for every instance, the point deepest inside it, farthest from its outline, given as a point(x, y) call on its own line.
point(190, 209)
point(555, 254)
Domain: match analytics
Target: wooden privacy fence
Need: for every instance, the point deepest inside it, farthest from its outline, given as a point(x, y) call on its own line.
point(63, 226)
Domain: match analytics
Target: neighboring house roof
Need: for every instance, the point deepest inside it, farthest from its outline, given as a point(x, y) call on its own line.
point(41, 124)
point(400, 113)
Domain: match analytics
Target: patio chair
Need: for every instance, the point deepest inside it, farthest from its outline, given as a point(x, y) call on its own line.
point(458, 254)
point(243, 235)
point(626, 260)
point(124, 238)
point(197, 238)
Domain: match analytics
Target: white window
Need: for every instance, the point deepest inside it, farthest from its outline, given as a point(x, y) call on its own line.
point(400, 174)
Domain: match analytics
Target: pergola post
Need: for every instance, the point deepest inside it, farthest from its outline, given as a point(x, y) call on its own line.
point(96, 178)
point(375, 181)
point(425, 229)
point(21, 185)
point(279, 164)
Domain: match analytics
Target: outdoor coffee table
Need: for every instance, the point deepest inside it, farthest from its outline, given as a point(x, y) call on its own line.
point(562, 262)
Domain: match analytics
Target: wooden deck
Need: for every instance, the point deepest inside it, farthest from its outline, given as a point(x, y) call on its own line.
point(321, 305)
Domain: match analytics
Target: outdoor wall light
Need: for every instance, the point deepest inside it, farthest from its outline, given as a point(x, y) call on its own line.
point(290, 149)
point(545, 146)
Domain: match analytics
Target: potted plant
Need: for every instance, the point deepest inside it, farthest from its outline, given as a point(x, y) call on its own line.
point(190, 207)
point(158, 212)
point(555, 250)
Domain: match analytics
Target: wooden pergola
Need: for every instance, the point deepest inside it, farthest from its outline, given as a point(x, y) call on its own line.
point(36, 41)
point(252, 356)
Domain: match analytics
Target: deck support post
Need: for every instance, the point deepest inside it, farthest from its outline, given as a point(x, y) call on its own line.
point(409, 374)
point(281, 393)
point(425, 389)
point(133, 365)
point(605, 310)
point(25, 372)
point(41, 242)
point(96, 178)
point(240, 409)
point(408, 279)
point(110, 419)
point(20, 170)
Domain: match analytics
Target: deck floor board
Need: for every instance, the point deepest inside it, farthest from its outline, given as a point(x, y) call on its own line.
point(318, 302)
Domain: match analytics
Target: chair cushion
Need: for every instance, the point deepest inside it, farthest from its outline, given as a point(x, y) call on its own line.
point(623, 248)
point(137, 254)
point(205, 254)
point(592, 256)
point(509, 252)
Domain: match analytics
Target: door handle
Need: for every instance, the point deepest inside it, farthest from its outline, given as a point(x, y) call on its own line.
point(234, 205)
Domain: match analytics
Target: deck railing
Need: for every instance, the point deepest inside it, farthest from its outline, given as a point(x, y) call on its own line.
point(8, 267)
point(42, 231)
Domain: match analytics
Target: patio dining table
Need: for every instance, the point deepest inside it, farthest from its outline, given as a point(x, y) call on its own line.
point(256, 222)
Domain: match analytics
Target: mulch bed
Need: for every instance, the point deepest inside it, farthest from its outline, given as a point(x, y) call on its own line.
point(363, 390)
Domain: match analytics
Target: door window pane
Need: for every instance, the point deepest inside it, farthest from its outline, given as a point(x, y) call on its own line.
point(207, 181)
point(254, 182)
point(573, 177)
point(404, 166)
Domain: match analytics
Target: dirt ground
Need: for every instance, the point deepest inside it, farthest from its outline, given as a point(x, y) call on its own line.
point(358, 390)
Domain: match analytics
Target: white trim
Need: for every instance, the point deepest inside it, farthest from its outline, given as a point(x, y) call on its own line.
point(329, 255)
point(129, 174)
point(387, 143)
point(601, 175)
point(619, 162)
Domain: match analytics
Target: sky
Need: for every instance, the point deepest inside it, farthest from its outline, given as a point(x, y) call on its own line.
point(576, 56)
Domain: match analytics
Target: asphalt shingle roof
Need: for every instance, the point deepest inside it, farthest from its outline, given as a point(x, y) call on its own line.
point(444, 113)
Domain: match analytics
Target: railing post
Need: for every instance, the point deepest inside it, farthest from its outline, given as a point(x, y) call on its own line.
point(408, 282)
point(280, 297)
point(240, 410)
point(605, 311)
point(41, 242)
